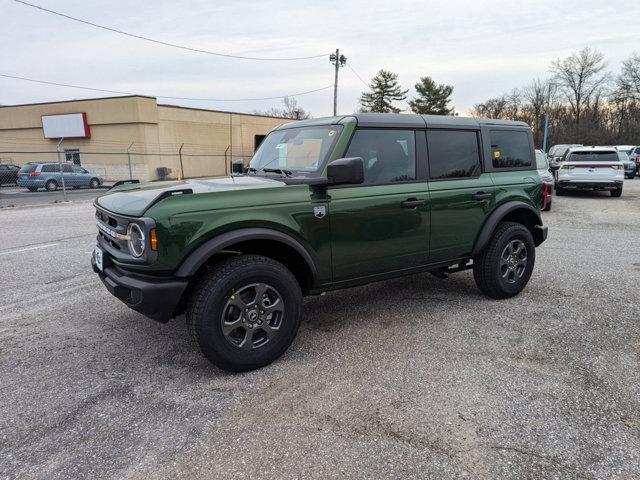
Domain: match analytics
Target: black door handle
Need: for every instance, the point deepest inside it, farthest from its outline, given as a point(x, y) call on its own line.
point(481, 196)
point(413, 202)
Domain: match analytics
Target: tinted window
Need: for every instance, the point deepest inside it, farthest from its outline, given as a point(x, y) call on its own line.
point(50, 168)
point(28, 169)
point(453, 153)
point(592, 156)
point(510, 149)
point(78, 169)
point(389, 155)
point(66, 168)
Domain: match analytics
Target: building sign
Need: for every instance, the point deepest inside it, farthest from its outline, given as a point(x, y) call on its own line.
point(70, 125)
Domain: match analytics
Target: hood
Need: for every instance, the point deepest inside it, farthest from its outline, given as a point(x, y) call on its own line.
point(134, 199)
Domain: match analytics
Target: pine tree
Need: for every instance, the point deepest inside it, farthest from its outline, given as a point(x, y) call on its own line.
point(385, 89)
point(432, 99)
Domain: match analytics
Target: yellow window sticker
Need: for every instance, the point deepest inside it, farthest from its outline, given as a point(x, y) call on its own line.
point(332, 133)
point(496, 154)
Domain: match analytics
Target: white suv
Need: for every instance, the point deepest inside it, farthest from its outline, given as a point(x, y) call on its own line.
point(597, 168)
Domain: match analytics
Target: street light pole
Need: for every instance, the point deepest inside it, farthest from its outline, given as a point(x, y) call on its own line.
point(546, 119)
point(64, 190)
point(339, 61)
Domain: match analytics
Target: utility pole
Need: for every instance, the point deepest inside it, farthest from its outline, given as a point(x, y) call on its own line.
point(339, 61)
point(64, 189)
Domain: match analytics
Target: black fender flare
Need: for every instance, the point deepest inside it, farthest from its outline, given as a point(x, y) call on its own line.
point(496, 217)
point(204, 252)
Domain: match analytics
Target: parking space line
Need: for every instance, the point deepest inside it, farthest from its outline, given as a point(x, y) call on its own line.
point(30, 248)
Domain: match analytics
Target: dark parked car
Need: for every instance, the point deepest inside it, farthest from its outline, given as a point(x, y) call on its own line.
point(8, 173)
point(47, 175)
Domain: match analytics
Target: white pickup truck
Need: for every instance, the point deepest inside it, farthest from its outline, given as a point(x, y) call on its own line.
point(597, 168)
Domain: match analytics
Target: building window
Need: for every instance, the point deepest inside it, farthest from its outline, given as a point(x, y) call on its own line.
point(453, 153)
point(257, 140)
point(72, 155)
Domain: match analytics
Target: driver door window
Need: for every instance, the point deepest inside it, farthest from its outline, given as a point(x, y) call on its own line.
point(389, 155)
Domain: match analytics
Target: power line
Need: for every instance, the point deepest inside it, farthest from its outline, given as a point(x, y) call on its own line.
point(167, 44)
point(118, 92)
point(356, 74)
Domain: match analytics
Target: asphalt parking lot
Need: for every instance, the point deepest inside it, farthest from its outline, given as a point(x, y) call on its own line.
point(409, 378)
point(11, 196)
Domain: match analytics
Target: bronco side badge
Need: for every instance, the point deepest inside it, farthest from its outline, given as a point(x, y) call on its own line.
point(319, 212)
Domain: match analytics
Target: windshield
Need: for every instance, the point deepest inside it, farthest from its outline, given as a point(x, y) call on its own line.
point(302, 150)
point(593, 157)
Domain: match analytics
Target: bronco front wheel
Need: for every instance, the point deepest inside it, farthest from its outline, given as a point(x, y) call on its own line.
point(245, 312)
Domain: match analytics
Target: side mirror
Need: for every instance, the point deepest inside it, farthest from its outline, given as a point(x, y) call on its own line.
point(346, 171)
point(237, 166)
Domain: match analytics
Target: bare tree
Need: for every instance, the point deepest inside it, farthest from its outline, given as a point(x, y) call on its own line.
point(629, 79)
point(581, 78)
point(291, 110)
point(538, 97)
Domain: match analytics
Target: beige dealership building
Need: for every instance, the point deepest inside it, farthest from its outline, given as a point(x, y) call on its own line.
point(137, 132)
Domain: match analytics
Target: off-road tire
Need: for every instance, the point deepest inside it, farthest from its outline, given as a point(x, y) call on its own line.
point(94, 183)
point(207, 301)
point(486, 265)
point(51, 185)
point(616, 192)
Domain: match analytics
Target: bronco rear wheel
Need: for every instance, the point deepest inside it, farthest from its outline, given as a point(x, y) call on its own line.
point(503, 269)
point(245, 312)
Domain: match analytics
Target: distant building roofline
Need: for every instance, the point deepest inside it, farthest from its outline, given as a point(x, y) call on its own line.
point(95, 99)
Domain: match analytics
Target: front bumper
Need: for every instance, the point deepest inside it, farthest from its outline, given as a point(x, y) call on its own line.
point(156, 298)
point(596, 185)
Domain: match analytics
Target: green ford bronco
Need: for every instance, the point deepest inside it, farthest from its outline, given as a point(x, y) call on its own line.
point(324, 204)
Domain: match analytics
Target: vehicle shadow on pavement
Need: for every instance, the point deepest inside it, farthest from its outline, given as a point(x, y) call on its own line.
point(382, 304)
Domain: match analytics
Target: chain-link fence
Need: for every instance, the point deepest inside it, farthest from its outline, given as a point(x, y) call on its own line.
point(76, 167)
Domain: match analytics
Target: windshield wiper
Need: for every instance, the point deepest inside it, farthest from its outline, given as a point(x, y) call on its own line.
point(281, 171)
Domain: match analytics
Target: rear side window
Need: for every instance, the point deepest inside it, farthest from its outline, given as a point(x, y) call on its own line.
point(389, 155)
point(593, 157)
point(28, 169)
point(50, 168)
point(510, 149)
point(453, 153)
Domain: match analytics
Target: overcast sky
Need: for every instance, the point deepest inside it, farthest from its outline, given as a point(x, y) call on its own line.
point(481, 48)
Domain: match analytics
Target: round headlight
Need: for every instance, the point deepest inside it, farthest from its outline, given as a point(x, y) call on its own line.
point(136, 240)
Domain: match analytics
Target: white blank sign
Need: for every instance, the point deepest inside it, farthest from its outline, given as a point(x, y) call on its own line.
point(71, 125)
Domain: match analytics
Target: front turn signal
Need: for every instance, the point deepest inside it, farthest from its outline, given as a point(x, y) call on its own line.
point(153, 239)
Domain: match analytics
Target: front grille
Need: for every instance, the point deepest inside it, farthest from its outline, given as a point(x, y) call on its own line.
point(111, 231)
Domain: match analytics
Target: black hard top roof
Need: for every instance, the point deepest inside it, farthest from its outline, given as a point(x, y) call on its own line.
point(406, 120)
